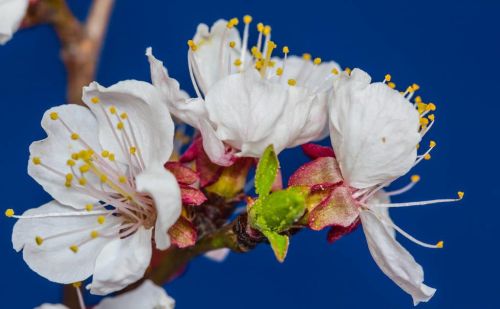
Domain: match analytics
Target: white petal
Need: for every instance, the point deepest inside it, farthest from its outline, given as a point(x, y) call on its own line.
point(149, 117)
point(146, 296)
point(381, 197)
point(394, 260)
point(56, 149)
point(188, 111)
point(122, 262)
point(374, 130)
point(213, 146)
point(53, 259)
point(212, 54)
point(11, 14)
point(52, 306)
point(165, 191)
point(218, 255)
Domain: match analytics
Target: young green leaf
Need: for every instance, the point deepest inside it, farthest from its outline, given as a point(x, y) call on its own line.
point(267, 170)
point(279, 244)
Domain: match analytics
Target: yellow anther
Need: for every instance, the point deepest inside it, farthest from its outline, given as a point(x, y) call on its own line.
point(415, 178)
point(36, 160)
point(306, 56)
point(286, 50)
point(424, 121)
point(292, 82)
point(421, 107)
point(432, 144)
point(192, 45)
point(89, 207)
point(69, 177)
point(101, 219)
point(112, 110)
point(317, 61)
point(54, 116)
point(415, 87)
point(122, 179)
point(103, 178)
point(418, 99)
point(460, 195)
point(70, 162)
point(247, 19)
point(39, 240)
point(94, 234)
point(112, 157)
point(232, 22)
point(271, 64)
point(237, 62)
point(335, 71)
point(75, 136)
point(75, 156)
point(427, 156)
point(133, 150)
point(67, 184)
point(120, 125)
point(124, 116)
point(418, 146)
point(260, 27)
point(431, 107)
point(84, 168)
point(105, 153)
point(232, 44)
point(348, 70)
point(95, 100)
point(259, 64)
point(409, 89)
point(235, 21)
point(85, 155)
point(267, 30)
point(391, 85)
point(74, 248)
point(431, 117)
point(279, 71)
point(82, 181)
point(440, 244)
point(388, 77)
point(76, 284)
point(9, 213)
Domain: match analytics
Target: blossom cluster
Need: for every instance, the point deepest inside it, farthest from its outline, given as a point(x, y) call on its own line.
point(123, 186)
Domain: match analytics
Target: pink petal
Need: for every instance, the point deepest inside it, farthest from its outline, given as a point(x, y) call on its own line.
point(338, 209)
point(336, 232)
point(192, 196)
point(184, 174)
point(315, 151)
point(183, 233)
point(324, 170)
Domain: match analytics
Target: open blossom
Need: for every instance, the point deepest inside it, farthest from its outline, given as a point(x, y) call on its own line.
point(146, 296)
point(11, 14)
point(247, 100)
point(375, 133)
point(104, 167)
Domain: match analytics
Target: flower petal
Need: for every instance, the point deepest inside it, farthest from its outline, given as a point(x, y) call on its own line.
point(314, 151)
point(11, 14)
point(218, 255)
point(163, 188)
point(122, 262)
point(394, 260)
point(324, 170)
point(183, 233)
point(55, 150)
point(147, 295)
point(182, 173)
point(52, 306)
point(213, 146)
point(53, 258)
point(374, 130)
point(147, 119)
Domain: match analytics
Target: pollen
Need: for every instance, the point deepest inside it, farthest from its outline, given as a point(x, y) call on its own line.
point(75, 136)
point(267, 30)
point(120, 125)
point(348, 70)
point(111, 157)
point(260, 27)
point(279, 71)
point(103, 178)
point(74, 248)
point(391, 85)
point(192, 45)
point(431, 107)
point(105, 153)
point(124, 116)
point(427, 156)
point(415, 178)
point(94, 234)
point(39, 240)
point(122, 179)
point(84, 168)
point(306, 56)
point(418, 99)
point(75, 156)
point(460, 195)
point(232, 44)
point(9, 213)
point(133, 150)
point(82, 181)
point(432, 144)
point(77, 284)
point(415, 87)
point(95, 100)
point(388, 77)
point(247, 19)
point(67, 184)
point(89, 207)
point(440, 244)
point(69, 177)
point(54, 116)
point(112, 110)
point(335, 71)
point(286, 50)
point(237, 62)
point(317, 61)
point(431, 117)
point(292, 82)
point(424, 121)
point(36, 160)
point(101, 219)
point(70, 162)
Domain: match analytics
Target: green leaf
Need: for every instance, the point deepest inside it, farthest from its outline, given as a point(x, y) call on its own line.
point(279, 244)
point(267, 169)
point(279, 211)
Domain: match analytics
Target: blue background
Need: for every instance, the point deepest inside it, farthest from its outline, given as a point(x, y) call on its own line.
point(450, 48)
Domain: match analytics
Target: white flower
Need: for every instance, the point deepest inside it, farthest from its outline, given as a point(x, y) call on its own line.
point(246, 101)
point(104, 168)
point(375, 132)
point(11, 14)
point(146, 296)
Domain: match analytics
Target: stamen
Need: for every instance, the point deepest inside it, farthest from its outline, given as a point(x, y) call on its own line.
point(422, 203)
point(408, 187)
